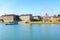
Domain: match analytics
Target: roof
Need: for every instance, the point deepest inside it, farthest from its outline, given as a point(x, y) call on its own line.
point(36, 16)
point(56, 16)
point(26, 15)
point(9, 15)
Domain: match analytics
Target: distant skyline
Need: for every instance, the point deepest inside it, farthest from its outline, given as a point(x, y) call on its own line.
point(34, 7)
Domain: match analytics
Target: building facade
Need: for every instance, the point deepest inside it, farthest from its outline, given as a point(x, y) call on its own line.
point(37, 18)
point(10, 18)
point(56, 18)
point(46, 18)
point(26, 17)
point(1, 20)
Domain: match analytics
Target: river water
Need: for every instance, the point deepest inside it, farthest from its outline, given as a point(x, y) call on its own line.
point(30, 32)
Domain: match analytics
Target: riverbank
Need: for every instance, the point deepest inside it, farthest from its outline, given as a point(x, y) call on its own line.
point(37, 22)
point(40, 22)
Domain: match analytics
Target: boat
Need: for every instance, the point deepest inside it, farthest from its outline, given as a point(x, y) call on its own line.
point(11, 23)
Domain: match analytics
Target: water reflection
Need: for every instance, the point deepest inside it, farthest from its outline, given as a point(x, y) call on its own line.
point(30, 32)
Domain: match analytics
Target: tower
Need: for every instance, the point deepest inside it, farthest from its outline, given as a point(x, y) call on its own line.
point(46, 15)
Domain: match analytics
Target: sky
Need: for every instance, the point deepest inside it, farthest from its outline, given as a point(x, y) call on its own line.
point(34, 7)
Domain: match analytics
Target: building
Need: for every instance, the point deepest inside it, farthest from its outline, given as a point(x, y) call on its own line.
point(1, 20)
point(10, 18)
point(46, 18)
point(37, 18)
point(26, 17)
point(59, 18)
point(55, 18)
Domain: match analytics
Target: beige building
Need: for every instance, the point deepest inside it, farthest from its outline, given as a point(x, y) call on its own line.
point(0, 17)
point(50, 19)
point(46, 18)
point(1, 20)
point(55, 18)
point(26, 17)
point(10, 18)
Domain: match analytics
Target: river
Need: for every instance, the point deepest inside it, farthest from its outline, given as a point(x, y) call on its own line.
point(30, 32)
